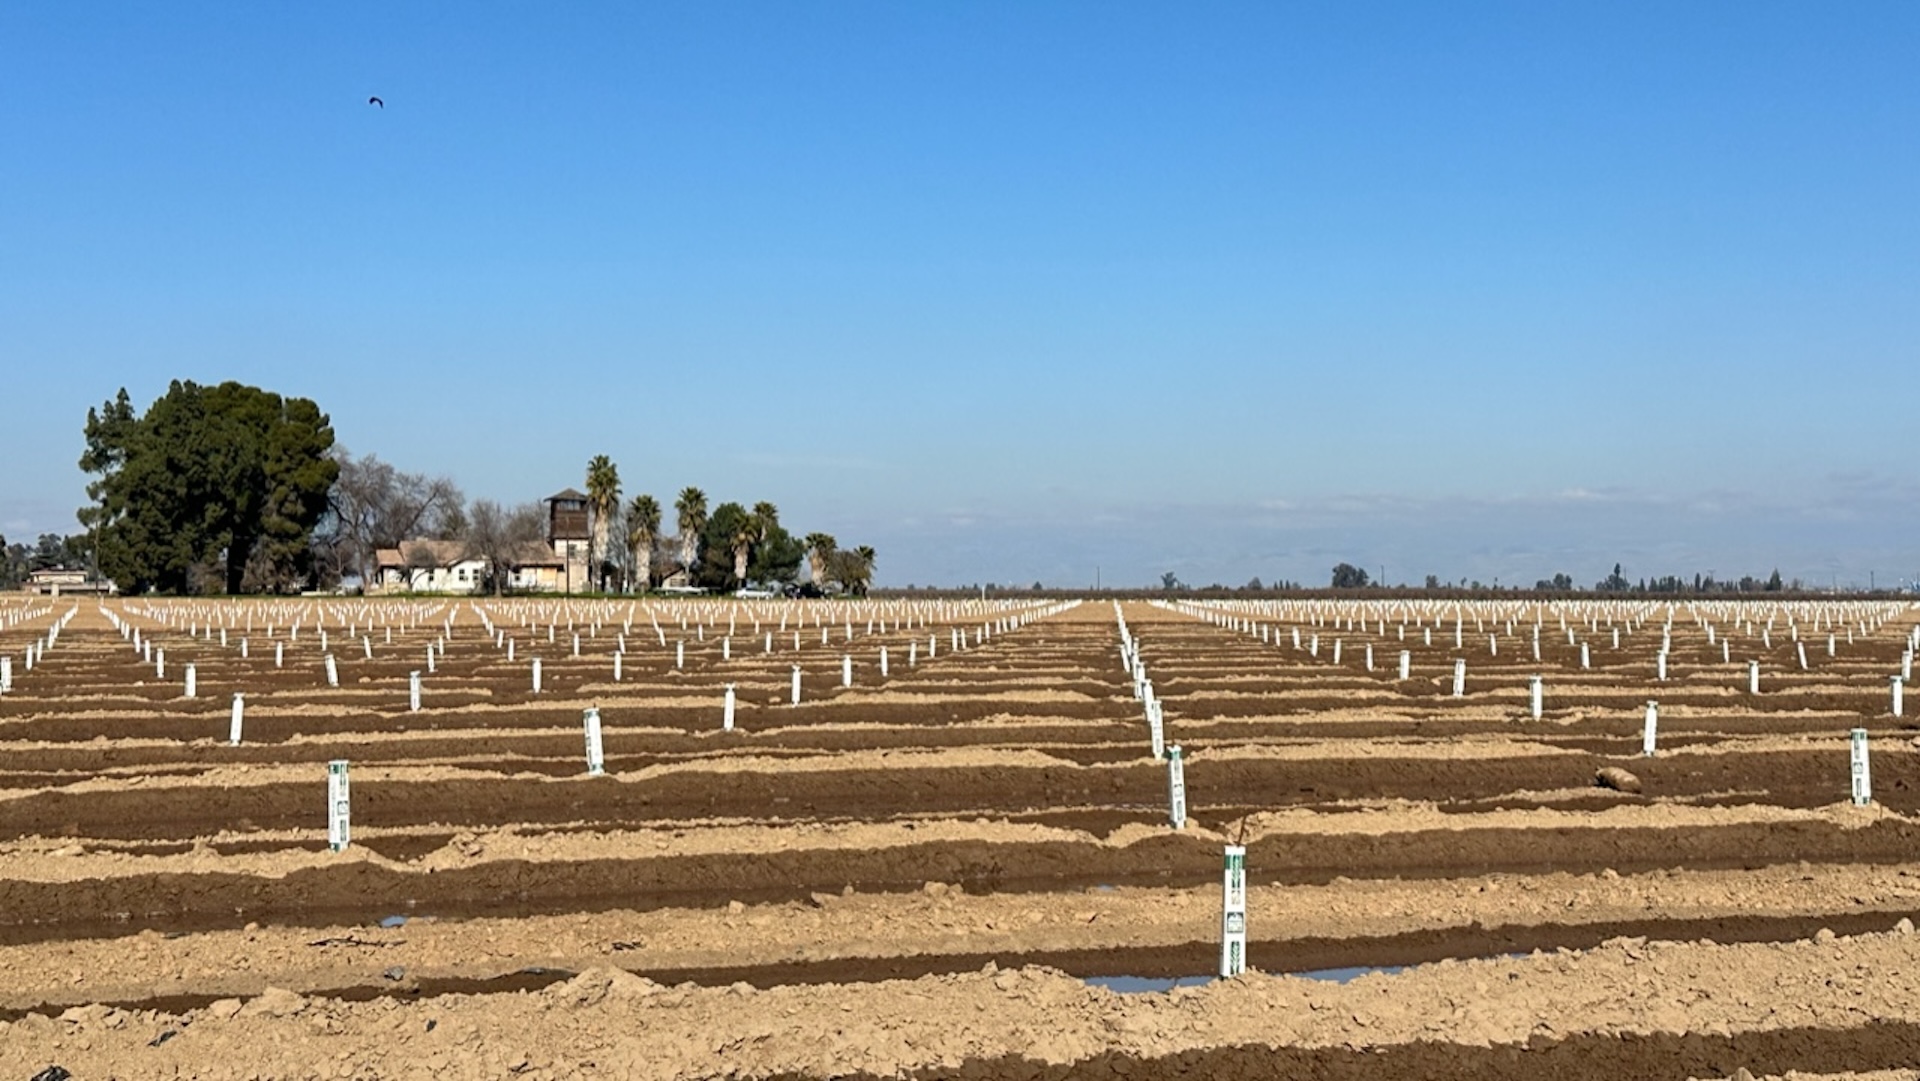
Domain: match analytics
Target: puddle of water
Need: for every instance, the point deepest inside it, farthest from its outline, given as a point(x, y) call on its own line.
point(1343, 975)
point(1151, 984)
point(1134, 985)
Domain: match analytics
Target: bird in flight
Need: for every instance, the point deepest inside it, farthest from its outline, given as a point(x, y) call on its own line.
point(376, 101)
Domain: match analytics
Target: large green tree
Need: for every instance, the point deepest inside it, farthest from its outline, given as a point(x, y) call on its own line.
point(775, 554)
point(722, 542)
point(777, 557)
point(1348, 576)
point(213, 487)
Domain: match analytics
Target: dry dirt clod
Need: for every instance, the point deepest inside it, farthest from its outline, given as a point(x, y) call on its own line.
point(78, 1015)
point(1617, 779)
point(275, 1002)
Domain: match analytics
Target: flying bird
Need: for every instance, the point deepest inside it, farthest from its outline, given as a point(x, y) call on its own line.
point(376, 101)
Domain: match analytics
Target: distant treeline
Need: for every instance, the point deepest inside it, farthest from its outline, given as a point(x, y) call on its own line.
point(1350, 581)
point(1399, 592)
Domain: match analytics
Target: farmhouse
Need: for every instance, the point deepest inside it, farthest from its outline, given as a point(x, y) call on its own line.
point(537, 569)
point(445, 566)
point(53, 581)
point(429, 566)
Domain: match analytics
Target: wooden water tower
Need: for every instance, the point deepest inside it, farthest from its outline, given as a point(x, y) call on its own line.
point(570, 532)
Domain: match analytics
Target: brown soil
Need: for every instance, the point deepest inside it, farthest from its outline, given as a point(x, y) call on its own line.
point(826, 882)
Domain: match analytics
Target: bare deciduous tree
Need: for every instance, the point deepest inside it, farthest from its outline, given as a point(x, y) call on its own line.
point(375, 506)
point(497, 536)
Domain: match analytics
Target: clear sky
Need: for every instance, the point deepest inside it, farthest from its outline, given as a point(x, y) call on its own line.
point(1012, 291)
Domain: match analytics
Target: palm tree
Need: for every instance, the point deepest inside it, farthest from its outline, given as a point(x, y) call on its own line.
point(691, 508)
point(851, 569)
point(603, 499)
point(820, 548)
point(864, 554)
point(643, 526)
point(743, 540)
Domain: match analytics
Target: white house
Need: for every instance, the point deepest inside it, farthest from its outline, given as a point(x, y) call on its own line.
point(443, 566)
point(57, 580)
point(428, 566)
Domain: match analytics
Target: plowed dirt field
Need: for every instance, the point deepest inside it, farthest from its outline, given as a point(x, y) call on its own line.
point(956, 861)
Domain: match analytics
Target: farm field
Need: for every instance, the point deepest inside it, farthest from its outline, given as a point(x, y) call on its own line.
point(965, 866)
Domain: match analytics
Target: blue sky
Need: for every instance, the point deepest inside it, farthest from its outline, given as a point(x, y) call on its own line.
point(1014, 290)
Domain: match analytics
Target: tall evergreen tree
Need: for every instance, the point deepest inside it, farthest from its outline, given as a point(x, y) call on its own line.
point(726, 533)
point(217, 485)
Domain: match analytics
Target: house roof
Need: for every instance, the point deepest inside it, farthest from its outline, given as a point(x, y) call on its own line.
point(437, 553)
point(448, 553)
point(535, 554)
point(567, 493)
